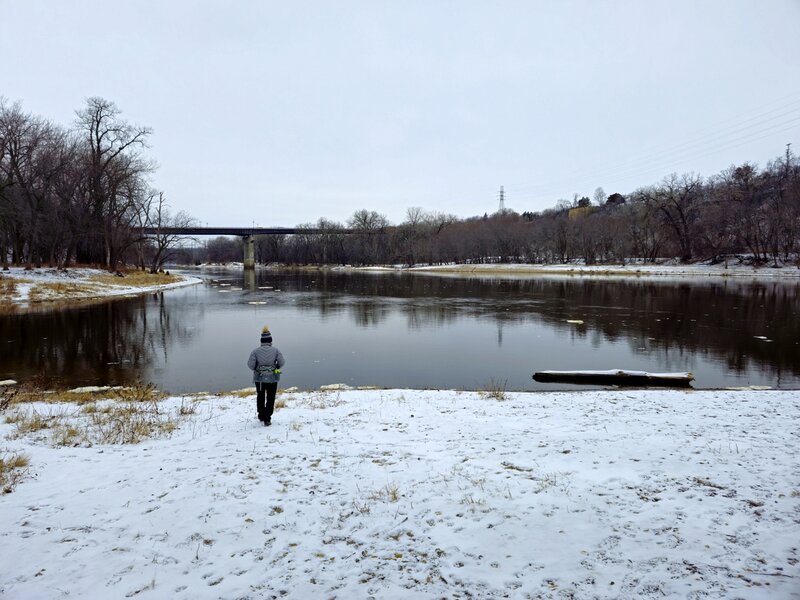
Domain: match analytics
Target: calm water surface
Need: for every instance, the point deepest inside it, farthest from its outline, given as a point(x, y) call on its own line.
point(415, 331)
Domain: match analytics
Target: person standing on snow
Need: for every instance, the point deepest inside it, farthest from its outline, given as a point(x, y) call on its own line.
point(265, 362)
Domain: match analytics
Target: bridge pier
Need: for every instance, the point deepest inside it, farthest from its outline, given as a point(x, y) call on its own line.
point(249, 252)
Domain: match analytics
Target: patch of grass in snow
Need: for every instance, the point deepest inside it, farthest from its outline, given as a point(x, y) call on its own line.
point(31, 421)
point(135, 278)
point(50, 290)
point(496, 390)
point(111, 422)
point(35, 392)
point(543, 481)
point(65, 434)
point(361, 507)
point(470, 500)
point(186, 408)
point(13, 468)
point(550, 480)
point(388, 493)
point(139, 392)
point(130, 423)
point(8, 291)
point(66, 396)
point(321, 400)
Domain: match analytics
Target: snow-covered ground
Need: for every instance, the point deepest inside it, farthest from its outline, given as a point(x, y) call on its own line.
point(418, 494)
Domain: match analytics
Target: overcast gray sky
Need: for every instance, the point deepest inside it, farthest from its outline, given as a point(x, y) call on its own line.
point(280, 113)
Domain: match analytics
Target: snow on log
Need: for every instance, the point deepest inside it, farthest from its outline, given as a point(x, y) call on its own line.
point(616, 377)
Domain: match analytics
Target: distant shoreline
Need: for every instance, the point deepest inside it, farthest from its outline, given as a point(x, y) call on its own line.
point(635, 270)
point(26, 290)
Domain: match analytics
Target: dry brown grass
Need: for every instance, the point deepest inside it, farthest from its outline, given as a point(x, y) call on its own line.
point(138, 392)
point(129, 423)
point(243, 393)
point(135, 278)
point(110, 423)
point(496, 390)
point(31, 421)
point(13, 467)
point(48, 291)
point(8, 286)
point(8, 291)
point(64, 435)
point(113, 416)
point(34, 394)
point(81, 290)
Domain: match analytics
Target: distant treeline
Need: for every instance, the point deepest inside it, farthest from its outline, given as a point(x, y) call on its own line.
point(743, 210)
point(80, 194)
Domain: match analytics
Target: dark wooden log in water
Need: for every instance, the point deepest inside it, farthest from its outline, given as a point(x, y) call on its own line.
point(616, 377)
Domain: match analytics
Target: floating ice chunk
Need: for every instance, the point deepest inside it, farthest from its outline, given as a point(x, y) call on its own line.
point(335, 386)
point(95, 388)
point(575, 321)
point(745, 388)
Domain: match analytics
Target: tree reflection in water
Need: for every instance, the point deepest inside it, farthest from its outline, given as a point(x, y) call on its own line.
point(111, 342)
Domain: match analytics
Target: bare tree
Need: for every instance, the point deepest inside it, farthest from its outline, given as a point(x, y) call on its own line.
point(114, 169)
point(599, 196)
point(677, 199)
point(368, 246)
point(165, 244)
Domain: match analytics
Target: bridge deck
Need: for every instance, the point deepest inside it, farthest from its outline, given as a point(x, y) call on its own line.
point(239, 231)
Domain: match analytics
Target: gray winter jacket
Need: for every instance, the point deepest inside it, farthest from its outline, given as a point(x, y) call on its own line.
point(267, 357)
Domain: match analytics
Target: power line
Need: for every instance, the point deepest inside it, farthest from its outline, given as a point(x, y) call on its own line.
point(679, 152)
point(664, 171)
point(752, 129)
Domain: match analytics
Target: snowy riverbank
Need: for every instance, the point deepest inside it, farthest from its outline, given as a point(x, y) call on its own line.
point(23, 288)
point(663, 270)
point(416, 494)
point(629, 270)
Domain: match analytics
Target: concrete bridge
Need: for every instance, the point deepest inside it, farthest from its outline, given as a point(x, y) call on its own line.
point(248, 234)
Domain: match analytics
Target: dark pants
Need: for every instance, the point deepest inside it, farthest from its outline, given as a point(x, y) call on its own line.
point(265, 412)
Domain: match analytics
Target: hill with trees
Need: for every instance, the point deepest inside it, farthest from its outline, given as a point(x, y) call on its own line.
point(82, 194)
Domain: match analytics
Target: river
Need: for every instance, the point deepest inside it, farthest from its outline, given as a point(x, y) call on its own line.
point(401, 330)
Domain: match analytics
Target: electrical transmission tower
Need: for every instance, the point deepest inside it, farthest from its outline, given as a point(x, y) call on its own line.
point(502, 197)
